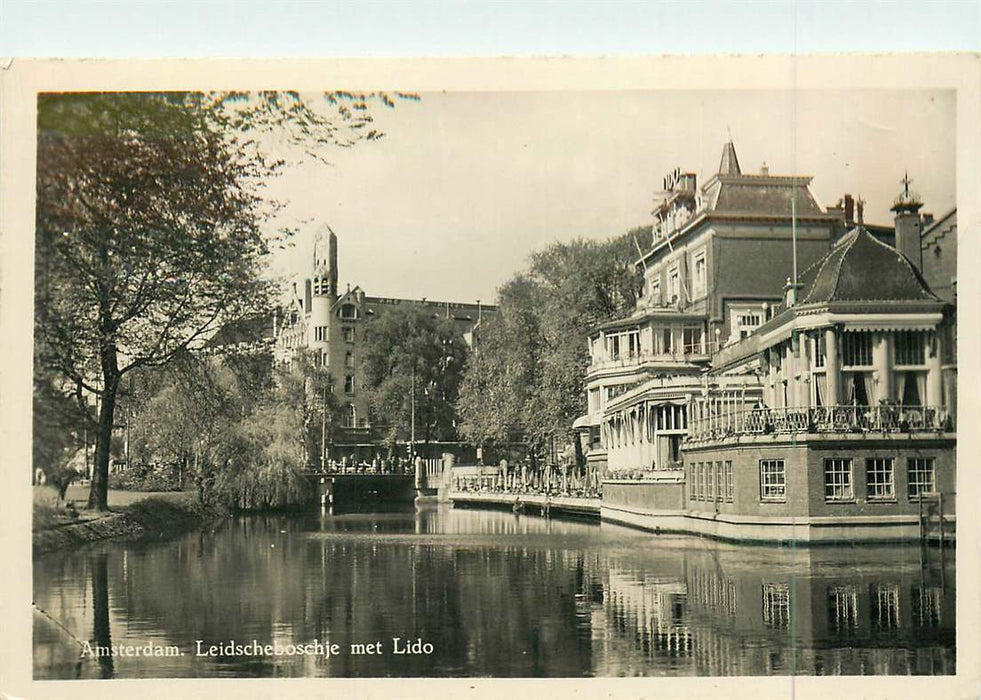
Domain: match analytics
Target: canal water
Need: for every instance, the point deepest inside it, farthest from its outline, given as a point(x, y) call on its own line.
point(493, 593)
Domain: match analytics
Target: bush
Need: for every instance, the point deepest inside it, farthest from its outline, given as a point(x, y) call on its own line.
point(157, 476)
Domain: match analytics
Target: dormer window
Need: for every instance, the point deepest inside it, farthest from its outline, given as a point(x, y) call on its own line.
point(349, 312)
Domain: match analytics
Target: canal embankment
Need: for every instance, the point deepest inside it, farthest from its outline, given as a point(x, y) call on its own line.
point(532, 503)
point(133, 516)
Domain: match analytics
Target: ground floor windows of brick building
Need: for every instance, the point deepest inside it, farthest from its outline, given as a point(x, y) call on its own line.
point(773, 480)
point(880, 479)
point(838, 479)
point(921, 477)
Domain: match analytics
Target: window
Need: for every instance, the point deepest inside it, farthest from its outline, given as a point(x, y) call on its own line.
point(727, 472)
point(843, 609)
point(926, 604)
point(921, 476)
point(699, 279)
point(349, 311)
point(856, 349)
point(910, 387)
point(885, 606)
point(348, 334)
point(350, 416)
point(349, 359)
point(773, 480)
point(594, 436)
point(615, 390)
point(744, 320)
point(674, 285)
point(819, 350)
point(692, 340)
point(909, 347)
point(655, 291)
point(663, 341)
point(594, 400)
point(879, 477)
point(776, 605)
point(349, 384)
point(838, 480)
point(320, 333)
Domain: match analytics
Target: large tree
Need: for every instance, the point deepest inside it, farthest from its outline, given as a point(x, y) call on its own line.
point(149, 233)
point(413, 364)
point(525, 381)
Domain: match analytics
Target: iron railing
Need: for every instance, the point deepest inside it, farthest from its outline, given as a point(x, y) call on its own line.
point(822, 419)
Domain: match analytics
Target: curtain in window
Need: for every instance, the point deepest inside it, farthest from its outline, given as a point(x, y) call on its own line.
point(921, 379)
point(848, 386)
point(867, 382)
point(820, 389)
point(900, 380)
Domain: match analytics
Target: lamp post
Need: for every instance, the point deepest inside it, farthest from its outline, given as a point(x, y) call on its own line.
point(412, 413)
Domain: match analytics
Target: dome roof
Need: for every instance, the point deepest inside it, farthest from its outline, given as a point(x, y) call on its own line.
point(862, 268)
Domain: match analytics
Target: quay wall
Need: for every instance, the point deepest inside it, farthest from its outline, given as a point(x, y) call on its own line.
point(532, 502)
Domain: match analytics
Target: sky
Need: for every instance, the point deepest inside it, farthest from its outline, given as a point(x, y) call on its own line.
point(465, 186)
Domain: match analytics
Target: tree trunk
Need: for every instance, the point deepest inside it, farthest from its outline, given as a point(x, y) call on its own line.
point(99, 492)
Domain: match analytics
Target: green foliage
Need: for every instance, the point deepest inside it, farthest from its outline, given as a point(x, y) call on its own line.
point(259, 462)
point(58, 423)
point(148, 476)
point(149, 223)
point(525, 381)
point(417, 354)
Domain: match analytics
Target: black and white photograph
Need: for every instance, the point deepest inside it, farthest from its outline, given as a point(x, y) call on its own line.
point(555, 381)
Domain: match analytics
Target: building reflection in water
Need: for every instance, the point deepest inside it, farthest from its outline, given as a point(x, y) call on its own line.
point(498, 595)
point(753, 611)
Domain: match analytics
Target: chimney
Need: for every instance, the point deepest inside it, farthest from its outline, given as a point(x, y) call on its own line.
point(927, 219)
point(790, 293)
point(849, 202)
point(764, 169)
point(860, 210)
point(307, 295)
point(909, 225)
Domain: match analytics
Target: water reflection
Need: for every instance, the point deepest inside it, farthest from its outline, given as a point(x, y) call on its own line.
point(497, 595)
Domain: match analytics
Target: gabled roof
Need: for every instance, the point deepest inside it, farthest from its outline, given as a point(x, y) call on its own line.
point(862, 268)
point(940, 227)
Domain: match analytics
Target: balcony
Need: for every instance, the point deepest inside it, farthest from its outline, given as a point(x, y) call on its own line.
point(822, 420)
point(643, 358)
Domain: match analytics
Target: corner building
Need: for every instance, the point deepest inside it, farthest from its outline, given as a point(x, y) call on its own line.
point(330, 325)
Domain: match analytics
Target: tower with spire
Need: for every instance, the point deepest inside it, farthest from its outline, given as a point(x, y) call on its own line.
point(909, 224)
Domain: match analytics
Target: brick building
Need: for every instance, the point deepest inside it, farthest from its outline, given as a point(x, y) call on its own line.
point(329, 324)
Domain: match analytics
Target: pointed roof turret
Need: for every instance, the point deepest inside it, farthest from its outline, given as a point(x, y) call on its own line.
point(729, 165)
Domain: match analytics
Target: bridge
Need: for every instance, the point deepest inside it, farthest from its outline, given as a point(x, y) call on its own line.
point(346, 486)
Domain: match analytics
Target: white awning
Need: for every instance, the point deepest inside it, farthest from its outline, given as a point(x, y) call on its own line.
point(589, 420)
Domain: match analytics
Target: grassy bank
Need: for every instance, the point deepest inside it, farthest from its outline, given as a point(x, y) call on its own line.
point(144, 516)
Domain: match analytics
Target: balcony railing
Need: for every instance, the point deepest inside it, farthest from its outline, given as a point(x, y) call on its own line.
point(637, 359)
point(822, 419)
